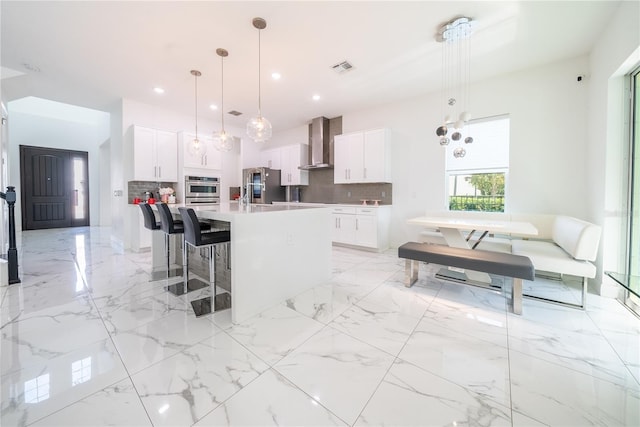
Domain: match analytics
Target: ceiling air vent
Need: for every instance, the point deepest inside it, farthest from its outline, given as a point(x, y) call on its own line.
point(235, 113)
point(341, 67)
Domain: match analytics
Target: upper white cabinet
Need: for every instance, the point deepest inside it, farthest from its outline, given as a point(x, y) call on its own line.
point(362, 157)
point(212, 159)
point(154, 155)
point(291, 158)
point(270, 158)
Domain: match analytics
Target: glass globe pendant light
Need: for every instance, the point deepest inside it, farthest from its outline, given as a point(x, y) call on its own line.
point(258, 128)
point(221, 139)
point(196, 147)
point(456, 57)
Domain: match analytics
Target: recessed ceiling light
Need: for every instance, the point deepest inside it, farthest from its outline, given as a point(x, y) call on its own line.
point(276, 76)
point(213, 106)
point(316, 97)
point(158, 90)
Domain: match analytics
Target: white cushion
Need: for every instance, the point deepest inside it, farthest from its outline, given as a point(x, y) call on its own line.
point(579, 238)
point(547, 256)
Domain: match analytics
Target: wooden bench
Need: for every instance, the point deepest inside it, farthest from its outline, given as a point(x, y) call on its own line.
point(515, 266)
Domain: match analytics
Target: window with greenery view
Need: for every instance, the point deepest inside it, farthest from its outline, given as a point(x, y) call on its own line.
point(476, 182)
point(477, 192)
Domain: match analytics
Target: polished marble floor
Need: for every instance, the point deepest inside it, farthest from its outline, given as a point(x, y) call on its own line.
point(88, 340)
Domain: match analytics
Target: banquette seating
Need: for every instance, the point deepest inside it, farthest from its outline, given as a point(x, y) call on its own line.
point(564, 245)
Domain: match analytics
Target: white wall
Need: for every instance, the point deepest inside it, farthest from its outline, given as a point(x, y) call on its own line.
point(616, 54)
point(41, 131)
point(548, 111)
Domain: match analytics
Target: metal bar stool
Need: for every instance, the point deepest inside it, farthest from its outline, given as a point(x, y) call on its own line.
point(151, 223)
point(194, 236)
point(172, 226)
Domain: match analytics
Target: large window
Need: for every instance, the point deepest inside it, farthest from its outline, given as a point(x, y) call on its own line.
point(634, 232)
point(476, 182)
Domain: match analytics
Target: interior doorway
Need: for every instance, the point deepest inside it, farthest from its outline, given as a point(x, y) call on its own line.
point(54, 188)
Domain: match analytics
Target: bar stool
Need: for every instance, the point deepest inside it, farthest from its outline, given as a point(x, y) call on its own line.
point(194, 236)
point(172, 226)
point(149, 218)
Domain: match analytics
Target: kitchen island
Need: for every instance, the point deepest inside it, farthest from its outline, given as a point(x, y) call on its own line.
point(277, 252)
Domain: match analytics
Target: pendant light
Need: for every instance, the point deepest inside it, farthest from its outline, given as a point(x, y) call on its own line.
point(196, 147)
point(259, 128)
point(455, 37)
point(221, 139)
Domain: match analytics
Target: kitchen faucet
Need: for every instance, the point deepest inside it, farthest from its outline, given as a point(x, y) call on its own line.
point(244, 199)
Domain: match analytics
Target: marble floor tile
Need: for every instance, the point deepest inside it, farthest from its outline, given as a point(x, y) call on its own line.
point(555, 395)
point(394, 296)
point(186, 386)
point(35, 337)
point(42, 389)
point(487, 325)
point(473, 296)
point(159, 339)
point(338, 371)
point(274, 333)
point(274, 401)
point(116, 405)
point(140, 311)
point(87, 339)
point(478, 365)
point(322, 303)
point(423, 399)
point(383, 328)
point(584, 350)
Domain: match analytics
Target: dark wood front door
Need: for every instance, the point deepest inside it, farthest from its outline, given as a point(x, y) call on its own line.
point(54, 188)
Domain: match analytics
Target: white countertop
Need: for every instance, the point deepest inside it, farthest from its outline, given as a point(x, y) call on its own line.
point(329, 205)
point(227, 211)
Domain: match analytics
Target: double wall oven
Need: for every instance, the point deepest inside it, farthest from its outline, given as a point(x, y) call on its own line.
point(201, 189)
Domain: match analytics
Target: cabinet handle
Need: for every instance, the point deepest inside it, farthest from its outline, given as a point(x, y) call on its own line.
point(155, 171)
point(159, 172)
point(365, 173)
point(356, 224)
point(345, 174)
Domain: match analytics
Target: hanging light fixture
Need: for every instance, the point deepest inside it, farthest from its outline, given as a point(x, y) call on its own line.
point(221, 139)
point(196, 147)
point(455, 37)
point(259, 128)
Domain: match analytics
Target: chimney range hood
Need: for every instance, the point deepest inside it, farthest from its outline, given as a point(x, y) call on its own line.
point(320, 149)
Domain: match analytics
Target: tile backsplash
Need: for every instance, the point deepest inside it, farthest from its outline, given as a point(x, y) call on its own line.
point(321, 189)
point(137, 188)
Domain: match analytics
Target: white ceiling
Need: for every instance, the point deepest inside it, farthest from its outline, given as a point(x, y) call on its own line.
point(93, 53)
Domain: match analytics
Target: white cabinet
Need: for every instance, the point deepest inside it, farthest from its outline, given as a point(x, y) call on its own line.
point(361, 157)
point(291, 158)
point(212, 159)
point(344, 225)
point(271, 159)
point(366, 227)
point(154, 155)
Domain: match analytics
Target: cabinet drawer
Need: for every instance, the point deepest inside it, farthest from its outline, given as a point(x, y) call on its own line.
point(344, 210)
point(366, 211)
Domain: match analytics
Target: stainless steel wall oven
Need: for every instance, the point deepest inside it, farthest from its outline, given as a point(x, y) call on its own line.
point(201, 189)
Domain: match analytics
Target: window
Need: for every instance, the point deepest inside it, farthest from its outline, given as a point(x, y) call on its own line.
point(476, 182)
point(634, 226)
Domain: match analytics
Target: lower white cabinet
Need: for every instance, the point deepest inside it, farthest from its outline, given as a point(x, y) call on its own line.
point(367, 227)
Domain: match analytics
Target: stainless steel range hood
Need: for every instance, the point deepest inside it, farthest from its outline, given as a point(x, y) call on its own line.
point(320, 149)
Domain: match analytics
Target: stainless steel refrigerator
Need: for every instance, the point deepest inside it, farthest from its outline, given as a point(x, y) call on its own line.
point(263, 185)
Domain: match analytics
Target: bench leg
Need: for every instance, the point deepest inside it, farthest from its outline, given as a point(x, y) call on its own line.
point(516, 296)
point(410, 272)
